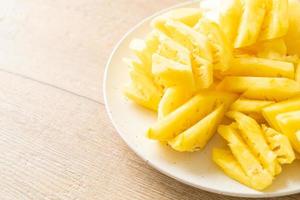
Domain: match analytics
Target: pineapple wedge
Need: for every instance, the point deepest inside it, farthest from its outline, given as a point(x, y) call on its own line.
point(249, 163)
point(270, 112)
point(172, 99)
point(254, 137)
point(249, 106)
point(229, 19)
point(188, 16)
point(170, 73)
point(292, 38)
point(196, 42)
point(143, 90)
point(172, 50)
point(226, 161)
point(290, 126)
point(188, 114)
point(261, 87)
point(220, 44)
point(197, 136)
point(251, 23)
point(139, 47)
point(279, 144)
point(203, 73)
point(252, 66)
point(276, 21)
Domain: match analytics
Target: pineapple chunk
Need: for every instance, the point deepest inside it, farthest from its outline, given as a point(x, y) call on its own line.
point(143, 90)
point(290, 126)
point(270, 112)
point(197, 136)
point(226, 161)
point(251, 23)
point(230, 15)
point(188, 16)
point(188, 114)
point(140, 49)
point(172, 99)
point(219, 42)
point(203, 73)
point(135, 65)
point(172, 50)
point(170, 73)
point(279, 144)
point(152, 41)
point(196, 42)
point(292, 38)
point(249, 163)
point(252, 66)
point(276, 21)
point(254, 137)
point(250, 106)
point(261, 87)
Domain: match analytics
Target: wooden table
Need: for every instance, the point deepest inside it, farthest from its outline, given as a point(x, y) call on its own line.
point(56, 141)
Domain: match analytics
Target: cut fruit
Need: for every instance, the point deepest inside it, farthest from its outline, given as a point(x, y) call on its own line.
point(252, 66)
point(196, 42)
point(248, 106)
point(140, 49)
point(197, 136)
point(230, 15)
point(203, 73)
point(172, 50)
point(250, 164)
point(226, 161)
point(270, 112)
point(292, 38)
point(135, 65)
point(220, 44)
point(279, 144)
point(276, 21)
point(290, 126)
point(188, 114)
point(260, 87)
point(170, 73)
point(143, 90)
point(188, 16)
point(297, 75)
point(253, 135)
point(251, 23)
point(172, 99)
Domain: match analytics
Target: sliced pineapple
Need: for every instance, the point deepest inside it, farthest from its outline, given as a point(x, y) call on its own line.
point(276, 21)
point(203, 73)
point(143, 90)
point(226, 161)
point(188, 114)
point(279, 144)
point(250, 106)
point(253, 135)
point(261, 87)
point(289, 124)
point(249, 163)
point(251, 23)
point(188, 16)
point(170, 73)
point(196, 42)
point(230, 15)
point(172, 99)
point(197, 136)
point(260, 67)
point(220, 44)
point(292, 38)
point(270, 112)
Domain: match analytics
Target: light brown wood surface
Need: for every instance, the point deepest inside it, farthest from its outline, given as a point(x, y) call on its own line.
point(56, 141)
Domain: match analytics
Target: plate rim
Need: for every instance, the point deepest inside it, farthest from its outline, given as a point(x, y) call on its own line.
point(120, 133)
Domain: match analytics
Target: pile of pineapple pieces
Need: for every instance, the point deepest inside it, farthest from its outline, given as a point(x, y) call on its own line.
point(238, 76)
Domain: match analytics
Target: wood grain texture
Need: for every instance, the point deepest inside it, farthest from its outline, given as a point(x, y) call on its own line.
point(56, 141)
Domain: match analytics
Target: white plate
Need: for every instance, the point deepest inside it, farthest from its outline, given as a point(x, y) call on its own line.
point(195, 169)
